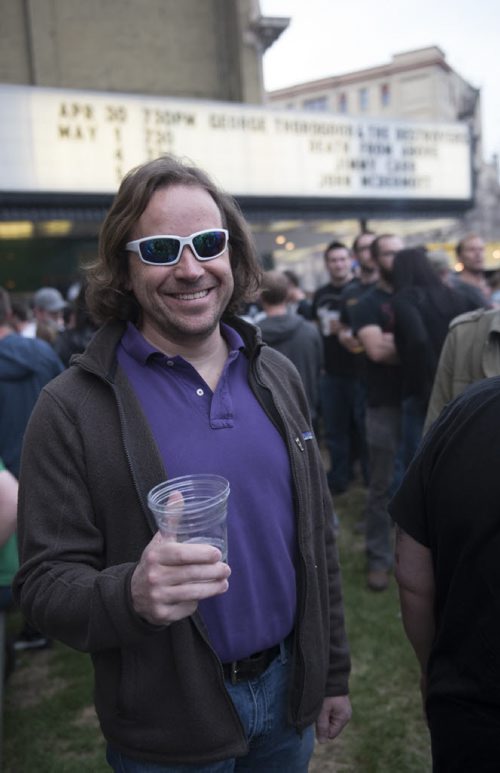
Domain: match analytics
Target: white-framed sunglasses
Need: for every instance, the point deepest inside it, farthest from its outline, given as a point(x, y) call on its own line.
point(166, 249)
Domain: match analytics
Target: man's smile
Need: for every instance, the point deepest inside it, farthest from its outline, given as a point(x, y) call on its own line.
point(190, 296)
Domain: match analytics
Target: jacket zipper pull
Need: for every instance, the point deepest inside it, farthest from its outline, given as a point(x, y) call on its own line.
point(299, 443)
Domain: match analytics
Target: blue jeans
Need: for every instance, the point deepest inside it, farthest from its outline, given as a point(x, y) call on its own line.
point(413, 426)
point(343, 411)
point(262, 708)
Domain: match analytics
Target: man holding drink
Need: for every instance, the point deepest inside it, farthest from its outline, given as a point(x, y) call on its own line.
point(198, 662)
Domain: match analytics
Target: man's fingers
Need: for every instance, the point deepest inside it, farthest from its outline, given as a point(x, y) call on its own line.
point(334, 716)
point(169, 604)
point(171, 574)
point(166, 550)
point(193, 591)
point(171, 578)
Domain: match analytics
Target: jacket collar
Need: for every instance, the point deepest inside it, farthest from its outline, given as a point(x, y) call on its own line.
point(100, 354)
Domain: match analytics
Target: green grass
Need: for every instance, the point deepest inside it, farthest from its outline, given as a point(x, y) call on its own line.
point(49, 721)
point(50, 725)
point(387, 733)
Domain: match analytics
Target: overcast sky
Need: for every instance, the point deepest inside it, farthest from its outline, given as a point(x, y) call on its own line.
point(330, 37)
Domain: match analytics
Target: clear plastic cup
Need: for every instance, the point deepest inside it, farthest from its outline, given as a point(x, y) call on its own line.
point(327, 316)
point(192, 508)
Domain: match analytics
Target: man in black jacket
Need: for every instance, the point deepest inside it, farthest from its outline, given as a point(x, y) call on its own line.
point(197, 661)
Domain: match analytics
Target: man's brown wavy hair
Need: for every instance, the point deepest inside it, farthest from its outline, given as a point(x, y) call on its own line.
point(107, 295)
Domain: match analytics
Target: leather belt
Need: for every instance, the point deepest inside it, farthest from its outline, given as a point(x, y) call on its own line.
point(250, 668)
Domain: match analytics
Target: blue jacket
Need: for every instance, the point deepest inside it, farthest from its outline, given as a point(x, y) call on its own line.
point(26, 366)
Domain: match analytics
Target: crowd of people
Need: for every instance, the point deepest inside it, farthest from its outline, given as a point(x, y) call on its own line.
point(38, 336)
point(383, 317)
point(204, 663)
point(427, 344)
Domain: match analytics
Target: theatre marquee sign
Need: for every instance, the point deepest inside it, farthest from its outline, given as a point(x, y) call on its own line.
point(62, 141)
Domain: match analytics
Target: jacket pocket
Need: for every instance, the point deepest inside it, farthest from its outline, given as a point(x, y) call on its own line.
point(127, 698)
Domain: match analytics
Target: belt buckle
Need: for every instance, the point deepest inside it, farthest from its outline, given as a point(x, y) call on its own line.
point(234, 672)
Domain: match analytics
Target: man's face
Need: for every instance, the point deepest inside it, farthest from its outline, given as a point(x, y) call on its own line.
point(363, 253)
point(472, 254)
point(387, 248)
point(338, 264)
point(53, 319)
point(183, 303)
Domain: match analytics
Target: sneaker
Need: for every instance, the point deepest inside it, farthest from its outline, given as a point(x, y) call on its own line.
point(31, 640)
point(378, 579)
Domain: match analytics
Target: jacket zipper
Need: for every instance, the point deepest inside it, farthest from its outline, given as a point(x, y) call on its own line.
point(300, 444)
point(196, 619)
point(279, 423)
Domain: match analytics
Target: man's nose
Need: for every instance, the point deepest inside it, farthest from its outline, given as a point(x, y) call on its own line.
point(188, 267)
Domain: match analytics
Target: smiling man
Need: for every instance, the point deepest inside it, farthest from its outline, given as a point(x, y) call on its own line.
point(199, 665)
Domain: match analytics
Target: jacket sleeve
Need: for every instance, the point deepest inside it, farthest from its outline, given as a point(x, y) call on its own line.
point(67, 586)
point(340, 661)
point(442, 390)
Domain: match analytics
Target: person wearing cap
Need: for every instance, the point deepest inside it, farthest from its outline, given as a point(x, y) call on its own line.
point(199, 664)
point(26, 366)
point(48, 307)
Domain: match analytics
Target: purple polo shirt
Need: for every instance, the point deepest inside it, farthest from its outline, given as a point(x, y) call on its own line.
point(227, 432)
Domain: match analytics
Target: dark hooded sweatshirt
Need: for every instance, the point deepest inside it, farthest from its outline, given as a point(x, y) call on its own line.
point(300, 341)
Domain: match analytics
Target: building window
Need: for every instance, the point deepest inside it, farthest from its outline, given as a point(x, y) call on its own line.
point(342, 103)
point(363, 99)
point(385, 95)
point(315, 103)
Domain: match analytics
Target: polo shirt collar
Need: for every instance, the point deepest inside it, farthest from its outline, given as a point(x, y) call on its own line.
point(141, 350)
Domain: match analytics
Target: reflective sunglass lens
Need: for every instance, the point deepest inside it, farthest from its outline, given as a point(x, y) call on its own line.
point(210, 243)
point(160, 250)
